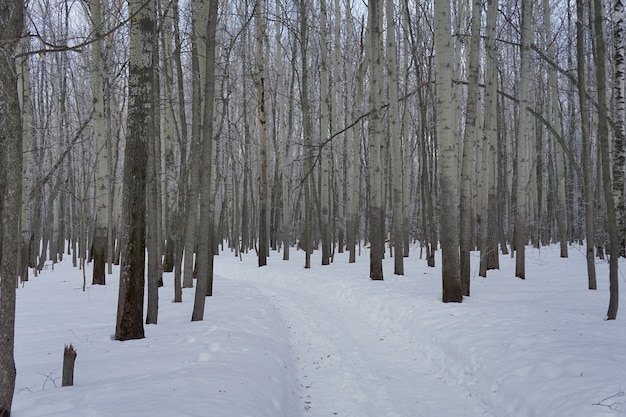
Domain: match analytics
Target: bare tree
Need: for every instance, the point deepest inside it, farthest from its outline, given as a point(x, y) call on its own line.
point(603, 143)
point(586, 146)
point(523, 144)
point(260, 29)
point(140, 125)
point(448, 156)
point(375, 136)
point(102, 184)
point(11, 30)
point(396, 170)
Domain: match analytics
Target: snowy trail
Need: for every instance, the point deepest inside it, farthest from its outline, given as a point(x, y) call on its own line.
point(351, 365)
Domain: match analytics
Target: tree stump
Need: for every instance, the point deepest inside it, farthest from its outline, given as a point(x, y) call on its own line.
point(69, 357)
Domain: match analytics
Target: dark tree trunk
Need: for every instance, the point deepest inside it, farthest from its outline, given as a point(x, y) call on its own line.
point(132, 269)
point(11, 28)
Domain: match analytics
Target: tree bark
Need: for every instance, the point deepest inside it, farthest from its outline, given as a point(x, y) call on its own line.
point(306, 132)
point(469, 145)
point(448, 157)
point(397, 169)
point(523, 145)
point(260, 23)
point(140, 124)
point(69, 359)
point(102, 184)
point(603, 143)
point(11, 30)
point(375, 136)
point(586, 147)
point(206, 232)
point(619, 148)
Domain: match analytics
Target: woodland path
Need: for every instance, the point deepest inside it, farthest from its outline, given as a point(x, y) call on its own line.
point(353, 365)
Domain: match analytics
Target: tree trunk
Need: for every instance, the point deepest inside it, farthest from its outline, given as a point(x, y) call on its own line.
point(11, 29)
point(324, 152)
point(140, 124)
point(469, 144)
point(205, 232)
point(447, 154)
point(586, 147)
point(523, 145)
point(306, 132)
point(619, 148)
point(489, 218)
point(69, 358)
point(260, 23)
point(603, 143)
point(395, 135)
point(197, 49)
point(376, 143)
point(101, 179)
point(152, 195)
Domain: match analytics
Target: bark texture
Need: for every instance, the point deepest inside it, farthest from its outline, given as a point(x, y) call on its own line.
point(11, 29)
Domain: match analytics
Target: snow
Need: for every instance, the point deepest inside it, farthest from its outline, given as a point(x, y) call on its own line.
point(284, 341)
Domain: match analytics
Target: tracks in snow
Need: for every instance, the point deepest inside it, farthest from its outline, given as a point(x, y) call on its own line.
point(351, 365)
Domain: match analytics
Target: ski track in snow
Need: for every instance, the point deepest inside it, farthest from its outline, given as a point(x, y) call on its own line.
point(351, 365)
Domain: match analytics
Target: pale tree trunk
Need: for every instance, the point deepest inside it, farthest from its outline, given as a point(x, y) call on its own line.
point(199, 22)
point(555, 118)
point(469, 144)
point(205, 230)
point(339, 113)
point(447, 154)
point(396, 171)
point(285, 125)
point(11, 29)
point(306, 132)
point(178, 234)
point(406, 135)
point(586, 146)
point(489, 258)
point(140, 125)
point(619, 150)
point(101, 184)
point(25, 229)
point(260, 23)
point(352, 179)
point(603, 143)
point(523, 144)
point(375, 136)
point(324, 153)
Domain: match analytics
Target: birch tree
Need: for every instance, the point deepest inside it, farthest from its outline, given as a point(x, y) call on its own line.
point(523, 143)
point(619, 148)
point(395, 134)
point(448, 156)
point(102, 185)
point(260, 33)
point(489, 217)
point(604, 145)
point(586, 146)
point(375, 137)
point(324, 153)
point(469, 144)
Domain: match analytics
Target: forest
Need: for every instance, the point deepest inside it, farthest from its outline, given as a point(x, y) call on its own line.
point(155, 135)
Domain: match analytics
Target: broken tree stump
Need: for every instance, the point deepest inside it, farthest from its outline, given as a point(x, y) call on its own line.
point(69, 357)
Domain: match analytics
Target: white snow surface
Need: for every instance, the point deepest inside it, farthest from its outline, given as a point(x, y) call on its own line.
point(284, 341)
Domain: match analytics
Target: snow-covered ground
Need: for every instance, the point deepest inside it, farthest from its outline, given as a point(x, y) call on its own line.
point(282, 341)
